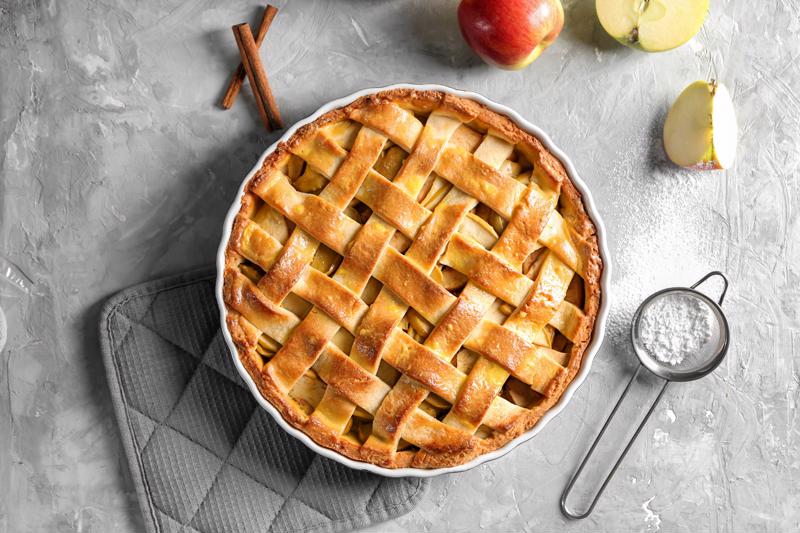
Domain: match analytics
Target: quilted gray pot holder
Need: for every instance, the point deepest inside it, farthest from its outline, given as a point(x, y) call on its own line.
point(204, 456)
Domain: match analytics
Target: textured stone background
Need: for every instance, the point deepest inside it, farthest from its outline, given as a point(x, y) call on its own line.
point(117, 167)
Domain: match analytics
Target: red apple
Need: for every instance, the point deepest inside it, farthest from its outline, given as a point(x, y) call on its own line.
point(510, 34)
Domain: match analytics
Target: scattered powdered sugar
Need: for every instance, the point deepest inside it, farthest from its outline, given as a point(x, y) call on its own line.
point(2, 329)
point(675, 327)
point(649, 205)
point(660, 438)
point(651, 519)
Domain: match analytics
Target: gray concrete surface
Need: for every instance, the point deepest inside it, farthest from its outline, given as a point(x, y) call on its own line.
point(116, 166)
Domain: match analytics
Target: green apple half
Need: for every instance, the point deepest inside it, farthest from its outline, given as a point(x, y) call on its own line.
point(700, 131)
point(652, 25)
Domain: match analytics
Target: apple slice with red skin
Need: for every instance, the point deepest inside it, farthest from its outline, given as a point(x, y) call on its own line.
point(510, 34)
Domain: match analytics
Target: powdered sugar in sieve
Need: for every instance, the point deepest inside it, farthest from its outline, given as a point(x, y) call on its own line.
point(676, 327)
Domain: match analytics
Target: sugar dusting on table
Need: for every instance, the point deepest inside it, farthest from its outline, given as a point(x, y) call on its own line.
point(2, 329)
point(675, 327)
point(649, 238)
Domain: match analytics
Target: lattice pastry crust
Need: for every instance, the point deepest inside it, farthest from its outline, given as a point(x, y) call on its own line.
point(412, 279)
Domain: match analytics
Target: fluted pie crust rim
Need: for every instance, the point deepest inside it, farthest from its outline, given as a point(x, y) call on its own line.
point(570, 206)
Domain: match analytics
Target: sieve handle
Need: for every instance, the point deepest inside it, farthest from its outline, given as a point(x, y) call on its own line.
point(568, 489)
point(711, 275)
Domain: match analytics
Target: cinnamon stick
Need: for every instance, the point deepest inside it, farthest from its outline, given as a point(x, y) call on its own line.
point(265, 101)
point(237, 80)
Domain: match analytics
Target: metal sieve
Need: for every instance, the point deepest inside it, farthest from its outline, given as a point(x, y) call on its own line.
point(696, 367)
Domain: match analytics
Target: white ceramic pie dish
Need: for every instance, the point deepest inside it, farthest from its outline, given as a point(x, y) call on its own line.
point(588, 356)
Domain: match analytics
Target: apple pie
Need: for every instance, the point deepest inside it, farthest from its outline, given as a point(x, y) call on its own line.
point(411, 279)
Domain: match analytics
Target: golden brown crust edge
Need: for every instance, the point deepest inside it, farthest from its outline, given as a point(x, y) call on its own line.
point(574, 211)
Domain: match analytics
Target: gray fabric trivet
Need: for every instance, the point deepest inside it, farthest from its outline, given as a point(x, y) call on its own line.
point(204, 456)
